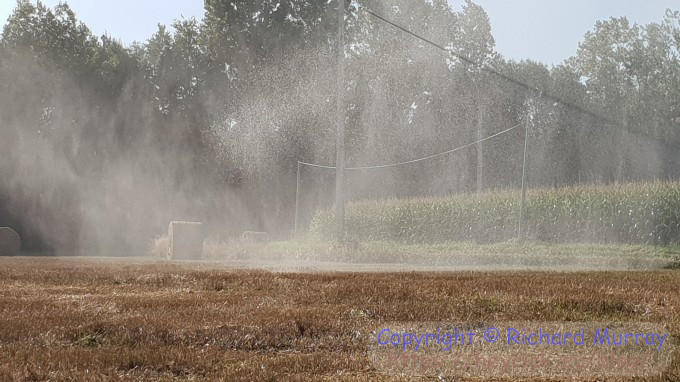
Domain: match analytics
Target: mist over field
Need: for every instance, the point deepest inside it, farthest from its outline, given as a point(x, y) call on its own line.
point(315, 190)
point(104, 144)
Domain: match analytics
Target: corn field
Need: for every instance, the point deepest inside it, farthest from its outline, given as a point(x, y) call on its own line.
point(642, 213)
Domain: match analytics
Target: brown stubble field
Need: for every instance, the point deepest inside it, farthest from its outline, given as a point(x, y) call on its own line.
point(92, 320)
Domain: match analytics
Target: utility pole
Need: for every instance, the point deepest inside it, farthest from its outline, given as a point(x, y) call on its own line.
point(481, 114)
point(340, 137)
point(525, 171)
point(297, 201)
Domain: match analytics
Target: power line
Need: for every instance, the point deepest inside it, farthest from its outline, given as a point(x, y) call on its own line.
point(416, 160)
point(495, 72)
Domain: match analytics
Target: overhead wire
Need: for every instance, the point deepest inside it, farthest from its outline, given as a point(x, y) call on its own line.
point(418, 159)
point(486, 68)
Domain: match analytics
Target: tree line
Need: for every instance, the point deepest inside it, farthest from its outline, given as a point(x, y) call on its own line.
point(105, 143)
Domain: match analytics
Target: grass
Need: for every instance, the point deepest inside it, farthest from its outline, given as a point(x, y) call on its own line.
point(159, 246)
point(93, 320)
point(466, 254)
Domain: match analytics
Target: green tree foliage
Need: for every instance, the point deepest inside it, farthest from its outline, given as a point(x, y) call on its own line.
point(632, 71)
point(228, 104)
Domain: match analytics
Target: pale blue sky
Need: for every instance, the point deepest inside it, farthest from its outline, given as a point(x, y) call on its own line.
point(544, 30)
point(550, 30)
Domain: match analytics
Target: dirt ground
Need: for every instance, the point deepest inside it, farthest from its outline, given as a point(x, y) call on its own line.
point(92, 319)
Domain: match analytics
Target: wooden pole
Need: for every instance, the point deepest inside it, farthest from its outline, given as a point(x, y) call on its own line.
point(340, 137)
point(297, 200)
point(481, 111)
point(522, 203)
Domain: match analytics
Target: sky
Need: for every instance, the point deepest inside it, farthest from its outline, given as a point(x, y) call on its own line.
point(548, 31)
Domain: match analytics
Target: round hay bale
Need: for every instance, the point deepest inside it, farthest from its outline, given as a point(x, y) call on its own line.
point(10, 242)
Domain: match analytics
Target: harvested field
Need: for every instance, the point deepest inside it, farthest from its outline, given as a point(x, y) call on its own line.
point(113, 319)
